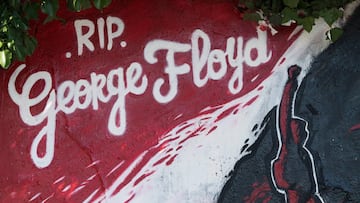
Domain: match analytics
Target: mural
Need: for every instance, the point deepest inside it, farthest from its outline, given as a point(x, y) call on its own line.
point(119, 107)
point(310, 151)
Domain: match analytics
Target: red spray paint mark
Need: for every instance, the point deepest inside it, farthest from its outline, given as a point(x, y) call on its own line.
point(260, 88)
point(130, 198)
point(293, 196)
point(311, 200)
point(355, 127)
point(193, 134)
point(260, 192)
point(284, 118)
point(142, 178)
point(291, 130)
point(226, 113)
point(282, 60)
point(294, 125)
point(212, 129)
point(161, 160)
point(279, 168)
point(252, 100)
point(171, 160)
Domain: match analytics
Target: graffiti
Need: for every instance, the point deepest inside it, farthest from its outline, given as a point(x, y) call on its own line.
point(84, 39)
point(291, 160)
point(70, 95)
point(293, 136)
point(243, 55)
point(119, 107)
point(207, 57)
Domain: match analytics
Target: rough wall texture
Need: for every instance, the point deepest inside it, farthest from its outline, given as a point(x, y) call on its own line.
point(183, 103)
point(328, 100)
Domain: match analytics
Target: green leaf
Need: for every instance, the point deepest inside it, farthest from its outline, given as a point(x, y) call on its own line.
point(5, 58)
point(335, 34)
point(252, 16)
point(50, 7)
point(275, 19)
point(30, 44)
point(303, 4)
point(331, 15)
point(13, 33)
point(10, 44)
point(14, 3)
point(250, 5)
point(276, 6)
point(20, 53)
point(78, 5)
point(291, 3)
point(31, 10)
point(49, 19)
point(288, 14)
point(318, 5)
point(100, 4)
point(18, 21)
point(307, 23)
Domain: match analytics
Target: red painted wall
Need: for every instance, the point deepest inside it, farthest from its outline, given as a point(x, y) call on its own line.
point(68, 95)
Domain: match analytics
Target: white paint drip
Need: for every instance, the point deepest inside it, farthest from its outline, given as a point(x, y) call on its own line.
point(49, 197)
point(88, 199)
point(76, 190)
point(58, 180)
point(34, 197)
point(66, 188)
point(93, 164)
point(115, 168)
point(92, 177)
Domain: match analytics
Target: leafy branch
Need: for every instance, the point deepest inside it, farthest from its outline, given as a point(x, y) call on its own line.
point(16, 43)
point(301, 12)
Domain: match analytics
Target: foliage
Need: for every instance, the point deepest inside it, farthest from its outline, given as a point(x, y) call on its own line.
point(302, 12)
point(16, 43)
point(15, 15)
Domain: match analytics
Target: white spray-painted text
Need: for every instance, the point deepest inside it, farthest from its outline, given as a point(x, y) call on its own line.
point(118, 83)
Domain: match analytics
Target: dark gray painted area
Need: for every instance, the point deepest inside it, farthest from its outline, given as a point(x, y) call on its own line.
point(329, 100)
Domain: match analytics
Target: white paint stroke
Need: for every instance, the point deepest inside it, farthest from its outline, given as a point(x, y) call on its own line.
point(198, 174)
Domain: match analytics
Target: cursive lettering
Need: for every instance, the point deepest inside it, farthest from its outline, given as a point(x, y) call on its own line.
point(119, 82)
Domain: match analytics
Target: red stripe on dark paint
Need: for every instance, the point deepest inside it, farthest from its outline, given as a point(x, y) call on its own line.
point(294, 125)
point(355, 127)
point(290, 133)
point(260, 192)
point(284, 120)
point(293, 196)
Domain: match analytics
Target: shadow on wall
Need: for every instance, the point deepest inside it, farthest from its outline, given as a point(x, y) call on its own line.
point(310, 150)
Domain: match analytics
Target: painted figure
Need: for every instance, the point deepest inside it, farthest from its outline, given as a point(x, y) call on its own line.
point(309, 151)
